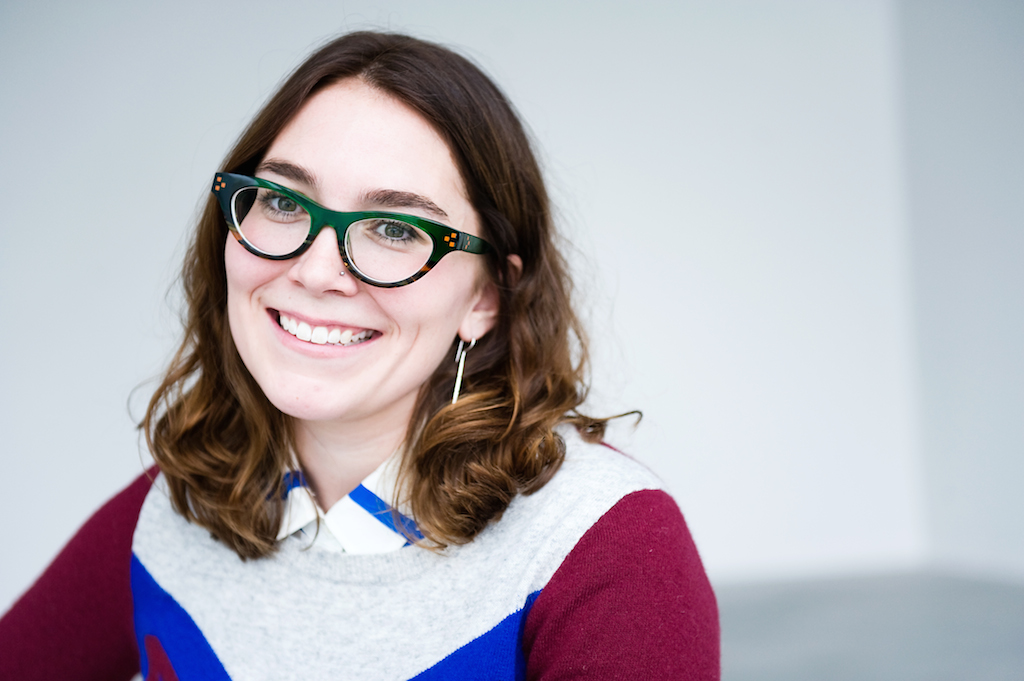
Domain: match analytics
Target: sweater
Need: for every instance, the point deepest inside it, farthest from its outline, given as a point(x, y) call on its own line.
point(594, 576)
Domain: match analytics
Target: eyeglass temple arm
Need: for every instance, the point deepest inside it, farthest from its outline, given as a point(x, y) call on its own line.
point(472, 244)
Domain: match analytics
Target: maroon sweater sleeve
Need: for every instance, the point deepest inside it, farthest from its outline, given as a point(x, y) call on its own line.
point(631, 601)
point(75, 622)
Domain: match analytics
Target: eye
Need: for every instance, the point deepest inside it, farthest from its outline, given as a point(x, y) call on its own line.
point(394, 230)
point(284, 204)
point(279, 203)
point(280, 208)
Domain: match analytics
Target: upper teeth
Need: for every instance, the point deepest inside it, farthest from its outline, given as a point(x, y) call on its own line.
point(322, 335)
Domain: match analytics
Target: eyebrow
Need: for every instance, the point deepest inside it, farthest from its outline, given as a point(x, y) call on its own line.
point(288, 170)
point(392, 198)
point(384, 198)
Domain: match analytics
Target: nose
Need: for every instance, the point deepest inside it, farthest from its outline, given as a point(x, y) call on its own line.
point(320, 268)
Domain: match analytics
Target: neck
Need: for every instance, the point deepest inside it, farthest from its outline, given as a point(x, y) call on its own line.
point(337, 457)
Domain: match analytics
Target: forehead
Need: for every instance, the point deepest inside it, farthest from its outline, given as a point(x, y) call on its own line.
point(353, 139)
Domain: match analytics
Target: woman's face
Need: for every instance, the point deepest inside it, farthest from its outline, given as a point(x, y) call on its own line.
point(353, 148)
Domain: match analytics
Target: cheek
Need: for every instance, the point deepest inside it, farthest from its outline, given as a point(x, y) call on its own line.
point(435, 305)
point(245, 272)
point(419, 318)
point(238, 277)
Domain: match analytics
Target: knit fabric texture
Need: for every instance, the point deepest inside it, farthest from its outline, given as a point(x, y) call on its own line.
point(594, 576)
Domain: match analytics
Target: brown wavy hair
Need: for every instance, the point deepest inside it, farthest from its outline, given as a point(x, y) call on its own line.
point(220, 443)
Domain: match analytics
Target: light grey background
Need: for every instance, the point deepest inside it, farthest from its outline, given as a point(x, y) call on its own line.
point(797, 230)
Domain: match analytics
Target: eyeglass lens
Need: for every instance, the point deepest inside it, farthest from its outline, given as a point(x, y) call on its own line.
point(384, 250)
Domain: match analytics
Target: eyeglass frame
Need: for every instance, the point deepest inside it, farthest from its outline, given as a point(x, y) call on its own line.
point(444, 238)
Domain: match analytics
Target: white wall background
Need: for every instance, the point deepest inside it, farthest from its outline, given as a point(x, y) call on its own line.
point(964, 95)
point(733, 176)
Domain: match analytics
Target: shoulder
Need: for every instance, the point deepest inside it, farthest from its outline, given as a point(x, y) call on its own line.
point(540, 529)
point(109, 531)
point(631, 598)
point(588, 465)
point(122, 510)
point(105, 539)
point(77, 618)
point(591, 479)
point(640, 548)
point(103, 544)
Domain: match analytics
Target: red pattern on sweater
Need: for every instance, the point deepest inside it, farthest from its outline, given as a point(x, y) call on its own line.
point(75, 623)
point(631, 601)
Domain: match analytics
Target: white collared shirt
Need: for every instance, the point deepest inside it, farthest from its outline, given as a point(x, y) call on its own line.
point(361, 522)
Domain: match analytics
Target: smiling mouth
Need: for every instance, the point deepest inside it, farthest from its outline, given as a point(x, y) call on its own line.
point(323, 335)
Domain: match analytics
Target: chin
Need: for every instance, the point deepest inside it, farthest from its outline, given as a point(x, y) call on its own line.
point(303, 410)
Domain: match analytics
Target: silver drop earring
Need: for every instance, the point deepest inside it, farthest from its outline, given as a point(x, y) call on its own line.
point(460, 357)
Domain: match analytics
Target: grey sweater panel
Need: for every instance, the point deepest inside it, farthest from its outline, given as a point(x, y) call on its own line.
point(315, 614)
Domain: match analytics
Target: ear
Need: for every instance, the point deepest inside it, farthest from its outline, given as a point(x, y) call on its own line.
point(484, 313)
point(482, 316)
point(515, 270)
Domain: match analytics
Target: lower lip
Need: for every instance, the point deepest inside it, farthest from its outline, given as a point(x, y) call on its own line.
point(313, 349)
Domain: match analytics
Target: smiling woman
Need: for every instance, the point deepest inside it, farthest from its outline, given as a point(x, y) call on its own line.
point(370, 459)
point(354, 145)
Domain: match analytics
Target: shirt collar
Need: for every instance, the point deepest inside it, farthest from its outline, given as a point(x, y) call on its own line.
point(364, 521)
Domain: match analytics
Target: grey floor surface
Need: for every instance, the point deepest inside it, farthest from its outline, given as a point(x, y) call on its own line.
point(923, 627)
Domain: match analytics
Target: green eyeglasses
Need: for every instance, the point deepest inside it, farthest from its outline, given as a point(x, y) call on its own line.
point(382, 249)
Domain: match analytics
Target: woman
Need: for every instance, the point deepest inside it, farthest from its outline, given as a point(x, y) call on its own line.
point(370, 460)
